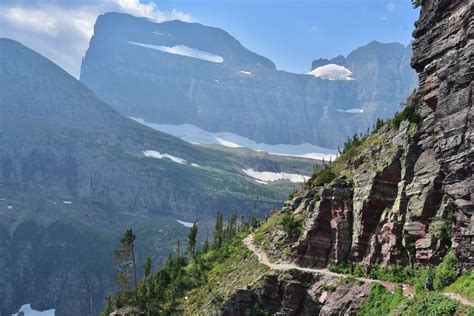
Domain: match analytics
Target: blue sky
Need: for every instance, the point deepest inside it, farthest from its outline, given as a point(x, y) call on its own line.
point(293, 33)
point(290, 32)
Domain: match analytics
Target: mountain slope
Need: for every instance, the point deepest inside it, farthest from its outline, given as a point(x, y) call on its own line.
point(161, 73)
point(74, 174)
point(395, 209)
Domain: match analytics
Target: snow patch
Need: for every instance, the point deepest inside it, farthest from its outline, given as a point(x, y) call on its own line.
point(358, 111)
point(67, 202)
point(332, 72)
point(158, 155)
point(28, 311)
point(183, 50)
point(185, 224)
point(267, 176)
point(195, 135)
point(162, 33)
point(248, 73)
point(195, 165)
point(226, 143)
point(9, 207)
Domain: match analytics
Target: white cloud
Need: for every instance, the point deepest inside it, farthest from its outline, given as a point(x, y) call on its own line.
point(391, 6)
point(60, 30)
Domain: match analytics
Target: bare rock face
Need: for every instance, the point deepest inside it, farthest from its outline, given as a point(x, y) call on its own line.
point(328, 233)
point(446, 83)
point(413, 183)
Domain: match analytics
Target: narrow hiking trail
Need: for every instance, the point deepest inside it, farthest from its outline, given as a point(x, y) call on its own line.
point(407, 289)
point(458, 297)
point(263, 259)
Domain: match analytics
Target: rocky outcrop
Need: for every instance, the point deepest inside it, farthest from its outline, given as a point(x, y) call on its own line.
point(328, 229)
point(298, 293)
point(411, 183)
point(446, 84)
point(243, 93)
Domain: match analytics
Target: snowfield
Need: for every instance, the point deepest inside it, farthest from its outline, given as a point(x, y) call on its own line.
point(158, 155)
point(28, 311)
point(185, 224)
point(195, 135)
point(266, 176)
point(245, 72)
point(183, 50)
point(332, 72)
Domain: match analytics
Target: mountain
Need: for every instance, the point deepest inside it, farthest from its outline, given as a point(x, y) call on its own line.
point(187, 73)
point(383, 72)
point(387, 228)
point(74, 174)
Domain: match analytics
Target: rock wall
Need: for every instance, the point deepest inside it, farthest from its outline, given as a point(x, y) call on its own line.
point(446, 84)
point(411, 185)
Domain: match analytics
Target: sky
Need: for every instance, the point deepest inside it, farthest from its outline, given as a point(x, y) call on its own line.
point(291, 33)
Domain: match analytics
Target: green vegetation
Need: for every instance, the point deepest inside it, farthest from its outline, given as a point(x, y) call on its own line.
point(410, 111)
point(163, 291)
point(445, 272)
point(433, 304)
point(291, 226)
point(322, 176)
point(441, 276)
point(380, 301)
point(464, 286)
point(350, 280)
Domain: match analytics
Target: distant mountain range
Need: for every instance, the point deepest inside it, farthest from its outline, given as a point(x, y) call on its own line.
point(74, 173)
point(187, 73)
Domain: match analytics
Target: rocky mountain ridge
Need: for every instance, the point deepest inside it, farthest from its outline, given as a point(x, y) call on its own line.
point(177, 73)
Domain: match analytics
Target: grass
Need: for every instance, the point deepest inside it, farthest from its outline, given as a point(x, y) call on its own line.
point(381, 302)
point(464, 286)
point(289, 225)
point(240, 270)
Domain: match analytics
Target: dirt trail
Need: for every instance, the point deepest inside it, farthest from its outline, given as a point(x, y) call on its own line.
point(262, 257)
point(458, 297)
point(407, 289)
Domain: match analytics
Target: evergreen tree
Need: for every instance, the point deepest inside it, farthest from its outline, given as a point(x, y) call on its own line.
point(205, 248)
point(218, 230)
point(125, 260)
point(192, 236)
point(147, 267)
point(254, 221)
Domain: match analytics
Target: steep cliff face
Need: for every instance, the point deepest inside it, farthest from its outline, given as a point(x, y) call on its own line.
point(405, 193)
point(446, 85)
point(177, 73)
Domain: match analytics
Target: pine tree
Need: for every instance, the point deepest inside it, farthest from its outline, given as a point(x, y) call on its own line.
point(147, 267)
point(192, 236)
point(218, 230)
point(125, 260)
point(254, 221)
point(205, 247)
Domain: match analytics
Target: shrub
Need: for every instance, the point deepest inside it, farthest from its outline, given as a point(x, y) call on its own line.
point(380, 301)
point(464, 286)
point(329, 287)
point(434, 304)
point(322, 177)
point(445, 272)
point(291, 226)
point(410, 111)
